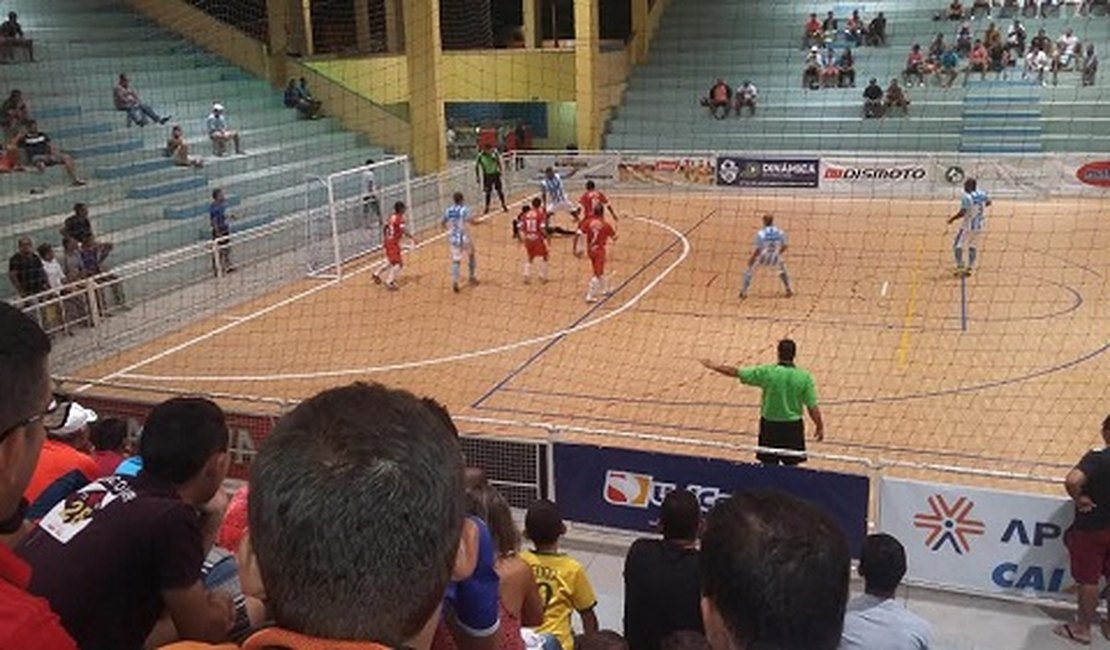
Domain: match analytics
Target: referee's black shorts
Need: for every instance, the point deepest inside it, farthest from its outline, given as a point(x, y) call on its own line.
point(781, 435)
point(491, 182)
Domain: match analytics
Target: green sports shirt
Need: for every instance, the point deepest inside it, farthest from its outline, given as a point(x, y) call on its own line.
point(490, 163)
point(786, 389)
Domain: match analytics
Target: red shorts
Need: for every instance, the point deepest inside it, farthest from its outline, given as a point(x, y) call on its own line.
point(535, 248)
point(1089, 551)
point(393, 252)
point(597, 258)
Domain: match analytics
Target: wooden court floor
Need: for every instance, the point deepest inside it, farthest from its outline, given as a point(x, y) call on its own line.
point(1004, 372)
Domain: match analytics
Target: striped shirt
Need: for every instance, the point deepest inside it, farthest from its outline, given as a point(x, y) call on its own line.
point(553, 189)
point(769, 241)
point(974, 206)
point(457, 218)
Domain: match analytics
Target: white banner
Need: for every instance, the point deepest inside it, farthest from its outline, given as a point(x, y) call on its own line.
point(898, 177)
point(980, 540)
point(575, 168)
point(667, 170)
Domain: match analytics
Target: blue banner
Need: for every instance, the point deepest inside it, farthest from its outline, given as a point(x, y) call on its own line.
point(624, 489)
point(733, 171)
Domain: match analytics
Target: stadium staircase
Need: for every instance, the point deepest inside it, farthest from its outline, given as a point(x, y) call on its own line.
point(138, 199)
point(700, 40)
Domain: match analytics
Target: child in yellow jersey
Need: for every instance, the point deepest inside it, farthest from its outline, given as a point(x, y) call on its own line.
point(564, 587)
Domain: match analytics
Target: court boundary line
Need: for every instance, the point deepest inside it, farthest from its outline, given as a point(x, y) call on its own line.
point(463, 356)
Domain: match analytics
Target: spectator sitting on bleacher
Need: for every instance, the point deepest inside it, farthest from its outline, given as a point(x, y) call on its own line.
point(79, 227)
point(11, 37)
point(955, 11)
point(964, 39)
point(65, 464)
point(937, 47)
point(873, 99)
point(1041, 41)
point(219, 132)
point(719, 99)
point(746, 95)
point(814, 64)
point(876, 619)
point(1090, 67)
point(1067, 49)
point(139, 548)
point(126, 99)
point(915, 62)
point(25, 270)
point(109, 441)
point(1029, 9)
point(830, 27)
point(177, 149)
point(979, 5)
point(992, 37)
point(41, 153)
point(298, 97)
point(854, 28)
point(10, 159)
point(560, 576)
point(1009, 8)
point(1036, 64)
point(896, 97)
point(15, 114)
point(812, 34)
point(876, 31)
point(847, 69)
point(830, 72)
point(774, 574)
point(1015, 38)
point(977, 61)
point(1000, 61)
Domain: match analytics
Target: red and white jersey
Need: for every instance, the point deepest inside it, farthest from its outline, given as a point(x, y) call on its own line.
point(591, 198)
point(394, 229)
point(597, 232)
point(532, 225)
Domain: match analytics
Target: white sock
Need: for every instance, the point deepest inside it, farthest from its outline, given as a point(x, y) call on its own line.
point(391, 273)
point(527, 269)
point(591, 289)
point(543, 269)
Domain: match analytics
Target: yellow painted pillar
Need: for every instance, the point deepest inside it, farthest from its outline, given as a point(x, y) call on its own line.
point(586, 55)
point(362, 25)
point(306, 25)
point(393, 32)
point(277, 20)
point(639, 30)
point(532, 37)
point(424, 53)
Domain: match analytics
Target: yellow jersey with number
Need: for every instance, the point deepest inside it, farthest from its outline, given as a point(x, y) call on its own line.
point(564, 589)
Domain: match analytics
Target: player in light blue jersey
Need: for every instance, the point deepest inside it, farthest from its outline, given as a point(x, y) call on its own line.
point(556, 200)
point(973, 212)
point(770, 244)
point(456, 221)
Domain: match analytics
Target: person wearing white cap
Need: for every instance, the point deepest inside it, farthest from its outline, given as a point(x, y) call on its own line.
point(219, 132)
point(65, 464)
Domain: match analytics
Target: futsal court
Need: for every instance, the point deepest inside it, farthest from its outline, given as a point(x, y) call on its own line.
point(1003, 372)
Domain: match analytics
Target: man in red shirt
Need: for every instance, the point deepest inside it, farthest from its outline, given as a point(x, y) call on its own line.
point(65, 464)
point(597, 233)
point(25, 404)
point(533, 233)
point(392, 234)
point(593, 196)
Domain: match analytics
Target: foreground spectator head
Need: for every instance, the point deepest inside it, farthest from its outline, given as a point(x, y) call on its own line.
point(73, 426)
point(184, 443)
point(356, 516)
point(684, 640)
point(882, 564)
point(486, 503)
point(543, 523)
point(24, 398)
point(774, 572)
point(109, 434)
point(681, 517)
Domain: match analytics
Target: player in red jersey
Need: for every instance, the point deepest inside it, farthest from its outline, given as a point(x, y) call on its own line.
point(593, 196)
point(597, 233)
point(533, 234)
point(392, 233)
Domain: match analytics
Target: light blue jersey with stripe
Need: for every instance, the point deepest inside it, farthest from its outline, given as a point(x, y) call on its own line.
point(769, 241)
point(457, 218)
point(974, 206)
point(553, 188)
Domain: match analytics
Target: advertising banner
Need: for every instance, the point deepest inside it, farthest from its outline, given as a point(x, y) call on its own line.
point(981, 540)
point(621, 488)
point(666, 170)
point(575, 168)
point(734, 171)
point(900, 177)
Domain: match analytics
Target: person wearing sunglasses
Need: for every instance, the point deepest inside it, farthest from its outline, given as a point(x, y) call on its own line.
point(25, 401)
point(65, 464)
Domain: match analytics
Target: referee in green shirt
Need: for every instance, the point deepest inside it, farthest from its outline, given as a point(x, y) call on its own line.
point(786, 389)
point(488, 169)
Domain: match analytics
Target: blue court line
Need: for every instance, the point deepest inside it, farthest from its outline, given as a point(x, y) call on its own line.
point(589, 312)
point(944, 392)
point(746, 434)
point(963, 303)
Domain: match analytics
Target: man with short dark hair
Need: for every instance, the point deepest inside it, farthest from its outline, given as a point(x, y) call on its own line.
point(41, 153)
point(487, 168)
point(1088, 539)
point(219, 220)
point(876, 620)
point(873, 99)
point(79, 227)
point(25, 270)
point(397, 490)
point(11, 37)
point(662, 590)
point(786, 389)
point(126, 99)
point(25, 405)
point(756, 535)
point(114, 555)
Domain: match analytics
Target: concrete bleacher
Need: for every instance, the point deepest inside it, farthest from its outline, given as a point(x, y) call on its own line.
point(138, 199)
point(700, 40)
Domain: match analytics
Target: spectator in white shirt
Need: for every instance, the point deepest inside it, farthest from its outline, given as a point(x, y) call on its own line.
point(875, 620)
point(1036, 63)
point(219, 131)
point(746, 95)
point(1066, 49)
point(55, 278)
